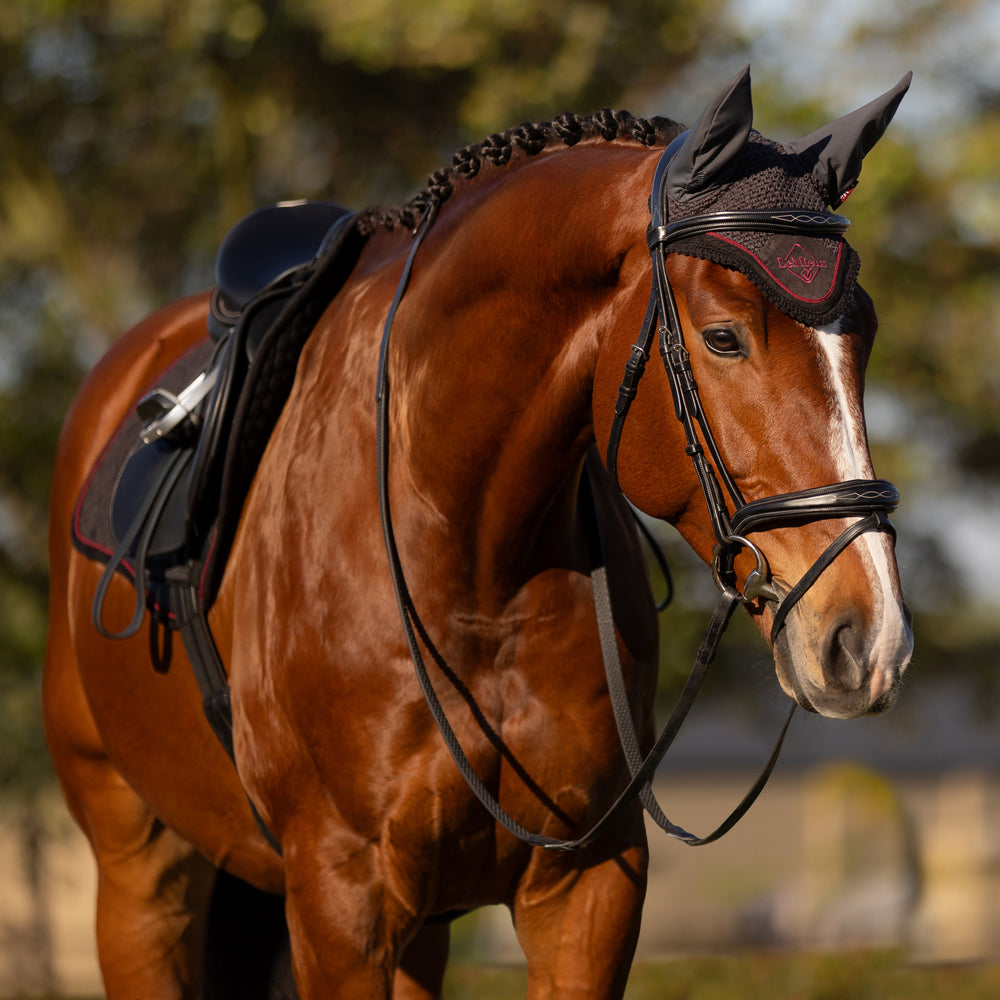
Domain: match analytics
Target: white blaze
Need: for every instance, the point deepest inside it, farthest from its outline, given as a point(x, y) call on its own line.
point(850, 448)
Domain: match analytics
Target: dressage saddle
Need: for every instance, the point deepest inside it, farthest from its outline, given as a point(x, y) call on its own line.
point(165, 485)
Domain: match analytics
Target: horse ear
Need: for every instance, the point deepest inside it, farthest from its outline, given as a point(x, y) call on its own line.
point(715, 142)
point(835, 151)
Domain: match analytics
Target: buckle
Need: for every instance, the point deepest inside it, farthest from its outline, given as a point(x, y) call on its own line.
point(165, 415)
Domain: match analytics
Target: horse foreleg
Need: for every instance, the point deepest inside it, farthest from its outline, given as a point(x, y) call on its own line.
point(346, 928)
point(579, 926)
point(152, 895)
point(421, 972)
point(152, 902)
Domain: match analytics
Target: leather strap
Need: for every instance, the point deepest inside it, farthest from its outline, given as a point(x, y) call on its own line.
point(642, 770)
point(209, 672)
point(138, 536)
point(791, 221)
point(854, 497)
point(876, 521)
point(619, 695)
point(634, 368)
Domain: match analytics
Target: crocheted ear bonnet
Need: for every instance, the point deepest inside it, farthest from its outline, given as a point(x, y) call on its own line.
point(811, 279)
point(724, 165)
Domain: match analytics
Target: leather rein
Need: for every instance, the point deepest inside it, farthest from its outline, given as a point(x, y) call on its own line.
point(870, 500)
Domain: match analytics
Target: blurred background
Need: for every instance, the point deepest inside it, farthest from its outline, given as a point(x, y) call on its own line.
point(134, 133)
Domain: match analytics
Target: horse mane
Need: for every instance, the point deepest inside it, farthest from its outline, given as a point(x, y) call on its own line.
point(531, 138)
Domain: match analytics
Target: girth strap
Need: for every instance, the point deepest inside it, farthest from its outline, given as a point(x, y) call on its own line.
point(209, 671)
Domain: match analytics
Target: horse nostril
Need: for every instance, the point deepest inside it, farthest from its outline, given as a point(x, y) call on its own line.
point(845, 656)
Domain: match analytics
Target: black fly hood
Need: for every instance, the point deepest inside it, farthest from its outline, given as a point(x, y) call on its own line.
point(811, 278)
point(723, 172)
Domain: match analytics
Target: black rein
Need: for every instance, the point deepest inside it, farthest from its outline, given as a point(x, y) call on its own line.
point(871, 500)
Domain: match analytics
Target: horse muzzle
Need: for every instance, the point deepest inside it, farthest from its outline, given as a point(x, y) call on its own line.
point(846, 667)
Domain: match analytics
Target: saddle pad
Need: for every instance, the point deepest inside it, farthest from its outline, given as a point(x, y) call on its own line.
point(92, 529)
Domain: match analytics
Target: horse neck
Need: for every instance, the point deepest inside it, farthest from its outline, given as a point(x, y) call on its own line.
point(517, 290)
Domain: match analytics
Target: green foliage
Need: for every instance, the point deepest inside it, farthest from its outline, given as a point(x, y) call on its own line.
point(931, 251)
point(31, 409)
point(155, 125)
point(872, 975)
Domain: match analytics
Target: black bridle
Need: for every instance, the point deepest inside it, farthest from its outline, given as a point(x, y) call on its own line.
point(870, 499)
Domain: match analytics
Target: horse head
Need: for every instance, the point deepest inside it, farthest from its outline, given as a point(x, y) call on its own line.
point(765, 337)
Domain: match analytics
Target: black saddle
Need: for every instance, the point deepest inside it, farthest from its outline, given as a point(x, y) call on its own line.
point(167, 493)
point(264, 253)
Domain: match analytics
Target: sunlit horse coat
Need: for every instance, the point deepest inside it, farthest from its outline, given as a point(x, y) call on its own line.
point(505, 362)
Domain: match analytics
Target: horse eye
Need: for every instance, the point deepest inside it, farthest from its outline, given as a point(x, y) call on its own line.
point(722, 340)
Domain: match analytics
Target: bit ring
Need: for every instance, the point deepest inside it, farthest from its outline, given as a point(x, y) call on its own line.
point(758, 582)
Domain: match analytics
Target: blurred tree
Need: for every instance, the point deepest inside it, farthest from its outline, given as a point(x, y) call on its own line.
point(135, 134)
point(926, 215)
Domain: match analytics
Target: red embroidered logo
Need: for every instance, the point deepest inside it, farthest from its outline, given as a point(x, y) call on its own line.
point(804, 265)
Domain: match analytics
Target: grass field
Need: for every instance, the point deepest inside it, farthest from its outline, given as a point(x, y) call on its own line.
point(866, 975)
point(850, 976)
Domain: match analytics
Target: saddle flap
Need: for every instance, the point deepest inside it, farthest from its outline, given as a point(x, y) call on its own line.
point(135, 490)
point(170, 485)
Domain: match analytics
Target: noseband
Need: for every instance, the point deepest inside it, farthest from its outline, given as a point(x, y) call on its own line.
point(869, 499)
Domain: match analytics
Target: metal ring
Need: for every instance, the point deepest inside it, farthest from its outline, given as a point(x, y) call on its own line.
point(758, 582)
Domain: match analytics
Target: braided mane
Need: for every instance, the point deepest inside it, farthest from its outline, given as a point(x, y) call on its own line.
point(532, 138)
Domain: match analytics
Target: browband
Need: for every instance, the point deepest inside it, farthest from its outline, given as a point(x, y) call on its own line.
point(788, 221)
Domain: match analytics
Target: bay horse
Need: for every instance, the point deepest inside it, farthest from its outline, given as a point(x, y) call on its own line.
point(522, 302)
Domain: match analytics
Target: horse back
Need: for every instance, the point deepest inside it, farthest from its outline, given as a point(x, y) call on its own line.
point(114, 385)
